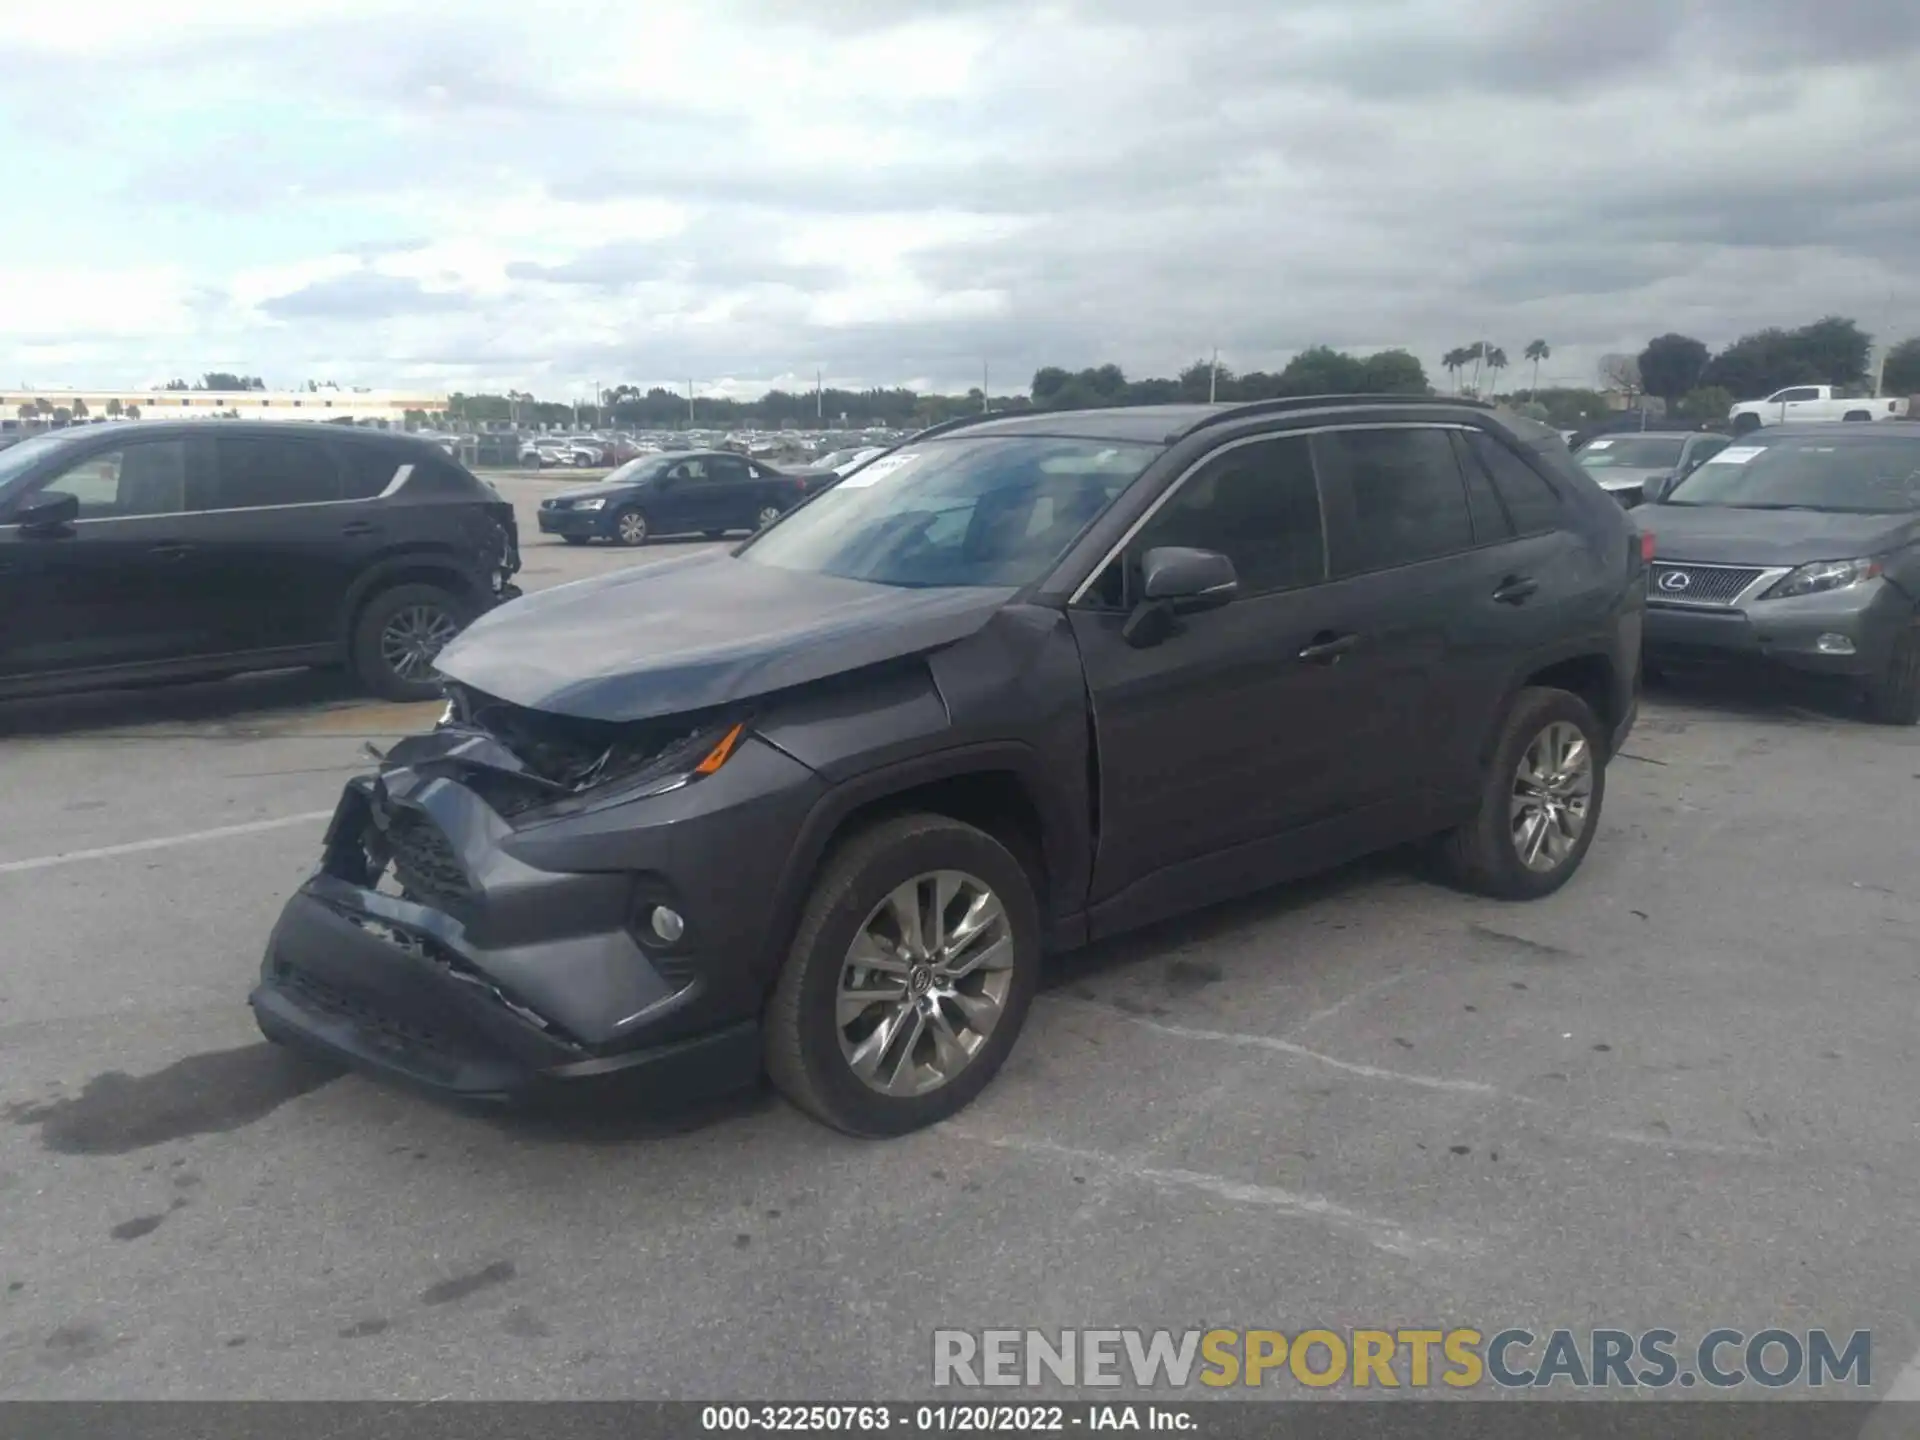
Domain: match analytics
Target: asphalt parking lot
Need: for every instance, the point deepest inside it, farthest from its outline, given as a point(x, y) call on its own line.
point(1678, 1093)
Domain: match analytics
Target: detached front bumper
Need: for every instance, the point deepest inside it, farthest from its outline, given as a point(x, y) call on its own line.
point(1841, 632)
point(515, 964)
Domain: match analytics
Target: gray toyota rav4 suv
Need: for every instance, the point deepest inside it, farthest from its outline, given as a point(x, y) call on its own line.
point(818, 807)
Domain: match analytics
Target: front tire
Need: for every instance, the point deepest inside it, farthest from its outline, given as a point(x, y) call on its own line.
point(768, 514)
point(1857, 415)
point(399, 634)
point(630, 526)
point(1539, 803)
point(1893, 696)
point(1745, 424)
point(910, 974)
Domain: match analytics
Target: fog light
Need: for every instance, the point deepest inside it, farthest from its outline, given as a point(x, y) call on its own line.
point(1834, 645)
point(667, 924)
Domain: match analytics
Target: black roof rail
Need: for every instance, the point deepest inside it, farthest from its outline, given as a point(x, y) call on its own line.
point(957, 423)
point(1287, 403)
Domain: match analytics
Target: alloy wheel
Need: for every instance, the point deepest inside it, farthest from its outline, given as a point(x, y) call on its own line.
point(1552, 796)
point(768, 514)
point(412, 640)
point(924, 983)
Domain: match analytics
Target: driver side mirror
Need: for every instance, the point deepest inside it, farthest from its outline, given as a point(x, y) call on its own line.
point(1176, 581)
point(47, 513)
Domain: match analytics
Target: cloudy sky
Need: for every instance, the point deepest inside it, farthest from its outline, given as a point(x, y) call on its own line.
point(467, 194)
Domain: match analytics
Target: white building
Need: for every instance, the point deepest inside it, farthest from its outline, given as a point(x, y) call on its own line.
point(357, 405)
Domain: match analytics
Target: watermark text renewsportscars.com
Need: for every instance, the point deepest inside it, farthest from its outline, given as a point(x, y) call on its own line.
point(1404, 1358)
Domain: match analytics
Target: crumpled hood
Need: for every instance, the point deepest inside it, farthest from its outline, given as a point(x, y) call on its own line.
point(696, 632)
point(1718, 534)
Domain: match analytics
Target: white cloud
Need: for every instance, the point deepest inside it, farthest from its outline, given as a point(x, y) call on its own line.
point(491, 193)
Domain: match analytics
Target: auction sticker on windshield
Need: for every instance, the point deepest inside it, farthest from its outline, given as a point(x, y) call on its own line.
point(878, 470)
point(1737, 454)
point(1599, 444)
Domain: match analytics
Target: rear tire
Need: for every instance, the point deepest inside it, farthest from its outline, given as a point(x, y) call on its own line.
point(1857, 415)
point(398, 633)
point(1745, 424)
point(1487, 855)
point(813, 1042)
point(1893, 696)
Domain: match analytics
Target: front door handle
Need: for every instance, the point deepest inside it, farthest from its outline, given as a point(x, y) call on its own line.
point(1516, 589)
point(1326, 648)
point(360, 527)
point(171, 550)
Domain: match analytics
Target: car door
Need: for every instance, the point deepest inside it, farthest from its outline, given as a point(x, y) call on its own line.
point(122, 585)
point(1528, 573)
point(679, 502)
point(280, 541)
point(1401, 547)
point(1248, 723)
point(1802, 402)
point(733, 494)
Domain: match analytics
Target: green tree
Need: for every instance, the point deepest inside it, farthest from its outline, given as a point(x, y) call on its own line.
point(1496, 362)
point(1047, 383)
point(1322, 370)
point(1836, 348)
point(114, 408)
point(133, 412)
point(1708, 402)
point(28, 411)
point(1393, 372)
point(176, 385)
point(1671, 365)
point(1536, 351)
point(80, 411)
point(1900, 375)
point(62, 415)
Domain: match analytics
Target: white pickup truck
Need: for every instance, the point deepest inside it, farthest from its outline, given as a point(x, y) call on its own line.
point(1802, 404)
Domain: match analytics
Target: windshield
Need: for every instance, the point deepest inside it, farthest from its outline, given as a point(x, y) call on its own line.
point(16, 460)
point(1874, 475)
point(1636, 452)
point(968, 512)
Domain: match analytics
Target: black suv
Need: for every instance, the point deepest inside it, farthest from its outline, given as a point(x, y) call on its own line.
point(169, 550)
point(819, 805)
point(707, 492)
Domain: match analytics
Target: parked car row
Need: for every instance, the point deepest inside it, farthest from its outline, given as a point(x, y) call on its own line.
point(706, 492)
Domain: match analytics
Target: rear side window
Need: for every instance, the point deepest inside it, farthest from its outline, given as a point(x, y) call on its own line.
point(366, 471)
point(1529, 499)
point(1256, 504)
point(1490, 522)
point(263, 471)
point(1402, 494)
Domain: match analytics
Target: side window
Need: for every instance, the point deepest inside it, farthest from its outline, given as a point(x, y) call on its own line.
point(1256, 504)
point(366, 471)
point(258, 471)
point(1489, 516)
point(725, 467)
point(1529, 499)
point(1804, 392)
point(1403, 495)
point(149, 479)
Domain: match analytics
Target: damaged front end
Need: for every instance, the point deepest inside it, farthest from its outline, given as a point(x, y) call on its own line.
point(460, 933)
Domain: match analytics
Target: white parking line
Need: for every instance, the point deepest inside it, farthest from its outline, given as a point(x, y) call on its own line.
point(1381, 1233)
point(162, 842)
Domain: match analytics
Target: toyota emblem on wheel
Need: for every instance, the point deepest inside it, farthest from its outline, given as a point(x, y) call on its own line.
point(1675, 580)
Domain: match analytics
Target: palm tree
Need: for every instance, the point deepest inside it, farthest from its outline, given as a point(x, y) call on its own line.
point(1476, 352)
point(1496, 362)
point(1451, 363)
point(1537, 350)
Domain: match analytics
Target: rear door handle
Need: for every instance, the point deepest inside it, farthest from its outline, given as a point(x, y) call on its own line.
point(360, 527)
point(1516, 589)
point(171, 550)
point(1326, 647)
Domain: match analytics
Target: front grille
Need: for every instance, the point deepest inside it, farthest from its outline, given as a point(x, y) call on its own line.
point(1699, 584)
point(423, 860)
point(427, 1049)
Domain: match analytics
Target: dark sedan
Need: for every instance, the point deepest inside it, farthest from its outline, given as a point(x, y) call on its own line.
point(1800, 545)
point(705, 492)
